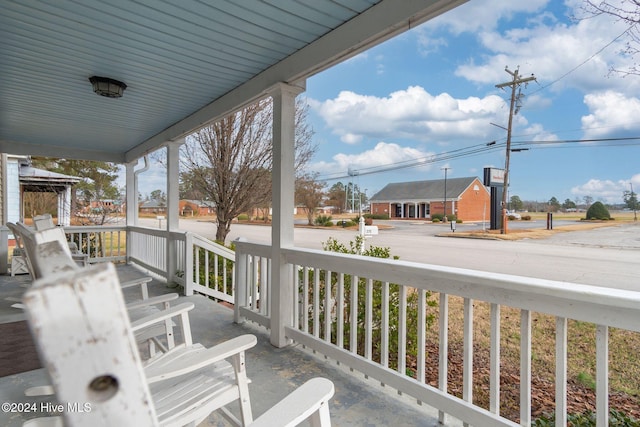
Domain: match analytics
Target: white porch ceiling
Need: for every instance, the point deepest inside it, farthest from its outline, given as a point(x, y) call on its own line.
point(185, 62)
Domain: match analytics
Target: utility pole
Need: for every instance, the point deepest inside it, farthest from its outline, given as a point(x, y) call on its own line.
point(514, 84)
point(444, 219)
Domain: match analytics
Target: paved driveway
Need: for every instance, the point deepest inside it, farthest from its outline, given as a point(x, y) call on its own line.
point(608, 256)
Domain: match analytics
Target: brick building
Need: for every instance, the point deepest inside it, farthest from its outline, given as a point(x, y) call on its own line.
point(467, 198)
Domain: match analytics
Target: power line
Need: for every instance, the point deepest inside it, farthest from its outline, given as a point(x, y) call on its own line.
point(480, 149)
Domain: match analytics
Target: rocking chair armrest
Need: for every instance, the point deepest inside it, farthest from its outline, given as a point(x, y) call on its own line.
point(161, 316)
point(184, 360)
point(160, 299)
point(79, 256)
point(310, 397)
point(142, 282)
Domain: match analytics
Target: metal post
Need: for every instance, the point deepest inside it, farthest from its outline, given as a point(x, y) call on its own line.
point(444, 219)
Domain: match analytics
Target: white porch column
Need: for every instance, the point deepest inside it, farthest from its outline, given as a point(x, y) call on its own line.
point(173, 198)
point(283, 187)
point(64, 207)
point(131, 200)
point(131, 195)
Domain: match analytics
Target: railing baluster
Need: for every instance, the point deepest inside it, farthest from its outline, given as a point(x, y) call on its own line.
point(196, 254)
point(327, 306)
point(384, 345)
point(402, 331)
point(216, 271)
point(368, 319)
point(353, 311)
point(207, 273)
point(494, 370)
point(316, 302)
point(296, 297)
point(305, 300)
point(255, 295)
point(467, 357)
point(443, 348)
point(422, 332)
point(264, 285)
point(561, 371)
point(525, 367)
point(602, 376)
point(340, 311)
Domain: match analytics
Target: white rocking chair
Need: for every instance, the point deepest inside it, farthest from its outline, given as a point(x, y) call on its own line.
point(86, 342)
point(53, 259)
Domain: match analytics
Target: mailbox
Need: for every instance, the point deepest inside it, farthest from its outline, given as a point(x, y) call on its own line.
point(370, 230)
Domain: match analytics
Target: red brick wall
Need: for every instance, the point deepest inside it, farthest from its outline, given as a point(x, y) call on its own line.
point(472, 203)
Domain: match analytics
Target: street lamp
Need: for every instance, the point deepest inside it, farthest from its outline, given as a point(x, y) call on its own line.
point(444, 219)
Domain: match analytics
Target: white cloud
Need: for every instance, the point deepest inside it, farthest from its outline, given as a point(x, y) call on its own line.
point(611, 113)
point(606, 191)
point(412, 113)
point(536, 132)
point(484, 15)
point(382, 154)
point(578, 54)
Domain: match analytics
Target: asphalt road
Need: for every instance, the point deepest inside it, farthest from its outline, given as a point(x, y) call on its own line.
point(608, 256)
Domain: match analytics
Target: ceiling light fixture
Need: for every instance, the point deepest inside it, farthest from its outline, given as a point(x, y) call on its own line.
point(105, 86)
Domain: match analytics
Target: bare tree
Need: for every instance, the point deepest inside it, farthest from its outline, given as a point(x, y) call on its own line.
point(309, 194)
point(627, 11)
point(230, 161)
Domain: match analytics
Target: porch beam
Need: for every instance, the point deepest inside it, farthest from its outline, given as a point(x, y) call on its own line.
point(283, 187)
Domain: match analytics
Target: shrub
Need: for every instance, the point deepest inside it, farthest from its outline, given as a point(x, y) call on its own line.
point(588, 419)
point(326, 283)
point(598, 211)
point(325, 220)
point(243, 217)
point(435, 220)
point(526, 217)
point(376, 216)
point(367, 220)
point(451, 217)
point(436, 217)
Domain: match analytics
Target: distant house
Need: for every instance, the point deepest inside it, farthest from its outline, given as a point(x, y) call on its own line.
point(196, 207)
point(467, 198)
point(152, 207)
point(106, 205)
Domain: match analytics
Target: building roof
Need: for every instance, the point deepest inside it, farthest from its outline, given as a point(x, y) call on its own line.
point(152, 204)
point(423, 190)
point(201, 203)
point(31, 174)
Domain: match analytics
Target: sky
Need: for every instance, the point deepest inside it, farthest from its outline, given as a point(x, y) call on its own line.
point(427, 100)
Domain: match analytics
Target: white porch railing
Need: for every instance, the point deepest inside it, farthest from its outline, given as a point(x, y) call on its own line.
point(213, 268)
point(324, 322)
point(101, 243)
point(193, 261)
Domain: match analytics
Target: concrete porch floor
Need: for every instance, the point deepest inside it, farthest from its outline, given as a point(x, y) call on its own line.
point(273, 372)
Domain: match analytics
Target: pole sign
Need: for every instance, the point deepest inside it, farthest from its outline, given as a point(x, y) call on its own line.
point(493, 177)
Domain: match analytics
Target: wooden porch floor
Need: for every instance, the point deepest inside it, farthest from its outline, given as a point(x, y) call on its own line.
point(273, 372)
